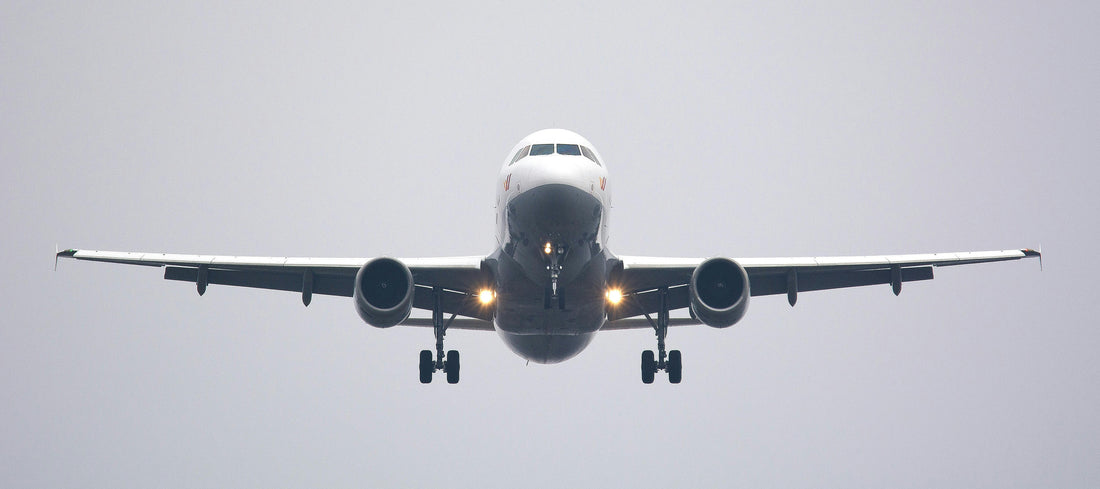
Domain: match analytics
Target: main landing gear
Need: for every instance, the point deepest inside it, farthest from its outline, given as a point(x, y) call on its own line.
point(670, 362)
point(449, 363)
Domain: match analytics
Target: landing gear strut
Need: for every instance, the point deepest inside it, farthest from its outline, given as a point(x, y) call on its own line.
point(669, 362)
point(555, 254)
point(448, 363)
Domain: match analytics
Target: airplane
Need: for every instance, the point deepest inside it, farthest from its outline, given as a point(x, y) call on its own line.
point(551, 283)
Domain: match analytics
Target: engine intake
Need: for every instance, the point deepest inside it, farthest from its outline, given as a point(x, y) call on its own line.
point(384, 291)
point(719, 292)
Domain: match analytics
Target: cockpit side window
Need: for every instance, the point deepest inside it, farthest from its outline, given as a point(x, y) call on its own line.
point(542, 149)
point(520, 155)
point(569, 149)
point(590, 155)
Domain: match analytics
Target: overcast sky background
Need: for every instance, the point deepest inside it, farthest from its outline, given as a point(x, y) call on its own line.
point(364, 129)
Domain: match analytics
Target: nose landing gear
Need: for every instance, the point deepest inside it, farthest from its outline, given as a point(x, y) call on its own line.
point(555, 254)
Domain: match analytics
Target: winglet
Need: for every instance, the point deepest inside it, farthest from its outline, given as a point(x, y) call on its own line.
point(58, 254)
point(1028, 252)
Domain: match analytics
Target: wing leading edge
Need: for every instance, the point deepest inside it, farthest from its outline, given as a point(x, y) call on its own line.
point(458, 277)
point(642, 276)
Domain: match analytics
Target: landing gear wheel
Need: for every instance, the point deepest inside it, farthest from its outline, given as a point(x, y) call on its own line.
point(675, 367)
point(452, 367)
point(449, 363)
point(649, 366)
point(427, 366)
point(670, 362)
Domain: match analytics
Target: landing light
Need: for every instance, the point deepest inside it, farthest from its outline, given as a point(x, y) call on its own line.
point(486, 296)
point(548, 248)
point(614, 296)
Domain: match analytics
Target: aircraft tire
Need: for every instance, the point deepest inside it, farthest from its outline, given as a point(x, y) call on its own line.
point(452, 366)
point(427, 367)
point(675, 367)
point(649, 367)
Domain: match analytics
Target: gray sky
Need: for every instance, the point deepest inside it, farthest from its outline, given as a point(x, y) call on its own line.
point(367, 129)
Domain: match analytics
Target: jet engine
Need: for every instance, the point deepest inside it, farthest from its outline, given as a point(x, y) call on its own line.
point(384, 292)
point(719, 292)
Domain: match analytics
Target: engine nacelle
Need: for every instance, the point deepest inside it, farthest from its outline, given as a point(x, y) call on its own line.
point(719, 292)
point(384, 291)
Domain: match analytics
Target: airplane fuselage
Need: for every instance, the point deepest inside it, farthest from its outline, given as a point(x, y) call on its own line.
point(551, 272)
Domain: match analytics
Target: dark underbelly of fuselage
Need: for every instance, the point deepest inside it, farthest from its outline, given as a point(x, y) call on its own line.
point(536, 323)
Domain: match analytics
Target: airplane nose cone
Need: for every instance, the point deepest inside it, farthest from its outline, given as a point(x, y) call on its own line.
point(559, 170)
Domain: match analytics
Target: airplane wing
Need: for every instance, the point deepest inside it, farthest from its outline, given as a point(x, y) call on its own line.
point(457, 276)
point(643, 276)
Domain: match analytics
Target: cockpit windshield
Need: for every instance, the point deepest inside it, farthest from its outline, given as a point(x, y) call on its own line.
point(549, 149)
point(590, 155)
point(569, 149)
point(542, 149)
point(519, 155)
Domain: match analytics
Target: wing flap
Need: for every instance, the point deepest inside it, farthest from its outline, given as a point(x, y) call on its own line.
point(649, 302)
point(265, 279)
point(459, 277)
point(451, 302)
point(810, 280)
point(641, 275)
